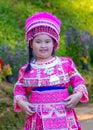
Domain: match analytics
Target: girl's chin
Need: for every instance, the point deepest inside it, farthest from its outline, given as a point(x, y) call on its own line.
point(43, 58)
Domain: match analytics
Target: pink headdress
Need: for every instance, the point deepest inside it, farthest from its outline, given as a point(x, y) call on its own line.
point(43, 22)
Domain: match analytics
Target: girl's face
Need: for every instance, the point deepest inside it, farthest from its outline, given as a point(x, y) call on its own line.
point(42, 47)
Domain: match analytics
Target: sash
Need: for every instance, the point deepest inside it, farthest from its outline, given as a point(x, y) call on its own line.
point(50, 106)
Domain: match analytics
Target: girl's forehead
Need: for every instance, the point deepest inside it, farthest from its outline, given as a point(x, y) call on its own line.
point(42, 36)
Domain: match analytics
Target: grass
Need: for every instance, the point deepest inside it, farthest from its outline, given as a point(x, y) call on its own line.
point(9, 120)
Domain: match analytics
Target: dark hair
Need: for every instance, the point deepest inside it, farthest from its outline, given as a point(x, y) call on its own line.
point(53, 52)
point(30, 58)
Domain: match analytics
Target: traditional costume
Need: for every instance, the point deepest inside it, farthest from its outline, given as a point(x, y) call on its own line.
point(47, 83)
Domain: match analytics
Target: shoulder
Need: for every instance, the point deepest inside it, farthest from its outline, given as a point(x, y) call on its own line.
point(67, 62)
point(21, 72)
point(22, 68)
point(66, 59)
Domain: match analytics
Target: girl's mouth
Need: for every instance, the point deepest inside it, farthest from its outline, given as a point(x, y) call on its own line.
point(43, 51)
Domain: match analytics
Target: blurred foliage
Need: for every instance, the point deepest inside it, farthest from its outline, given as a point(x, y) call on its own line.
point(76, 17)
point(9, 120)
point(79, 43)
point(14, 13)
point(16, 59)
point(76, 39)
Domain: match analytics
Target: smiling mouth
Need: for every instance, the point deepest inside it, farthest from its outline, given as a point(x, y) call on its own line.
point(43, 50)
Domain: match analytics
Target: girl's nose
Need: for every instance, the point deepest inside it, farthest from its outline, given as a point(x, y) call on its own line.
point(43, 45)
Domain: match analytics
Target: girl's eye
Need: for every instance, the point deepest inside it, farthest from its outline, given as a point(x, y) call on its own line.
point(38, 42)
point(47, 41)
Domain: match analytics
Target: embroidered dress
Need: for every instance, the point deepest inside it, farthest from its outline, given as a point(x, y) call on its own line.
point(40, 81)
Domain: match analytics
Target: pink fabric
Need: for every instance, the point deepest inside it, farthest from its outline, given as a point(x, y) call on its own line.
point(42, 16)
point(51, 112)
point(58, 71)
point(43, 22)
point(49, 97)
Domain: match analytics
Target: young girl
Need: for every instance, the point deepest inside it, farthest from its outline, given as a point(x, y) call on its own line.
point(46, 78)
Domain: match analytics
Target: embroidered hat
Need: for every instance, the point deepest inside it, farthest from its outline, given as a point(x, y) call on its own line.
point(43, 23)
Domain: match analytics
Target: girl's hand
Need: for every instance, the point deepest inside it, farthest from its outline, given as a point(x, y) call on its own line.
point(26, 107)
point(72, 100)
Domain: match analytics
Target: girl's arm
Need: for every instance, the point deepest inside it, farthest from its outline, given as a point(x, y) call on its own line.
point(80, 93)
point(20, 92)
point(77, 81)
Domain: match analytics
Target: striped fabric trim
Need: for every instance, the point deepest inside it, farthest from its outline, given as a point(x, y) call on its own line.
point(44, 23)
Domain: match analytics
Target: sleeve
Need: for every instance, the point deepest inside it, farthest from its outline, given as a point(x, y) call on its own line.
point(20, 92)
point(77, 81)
